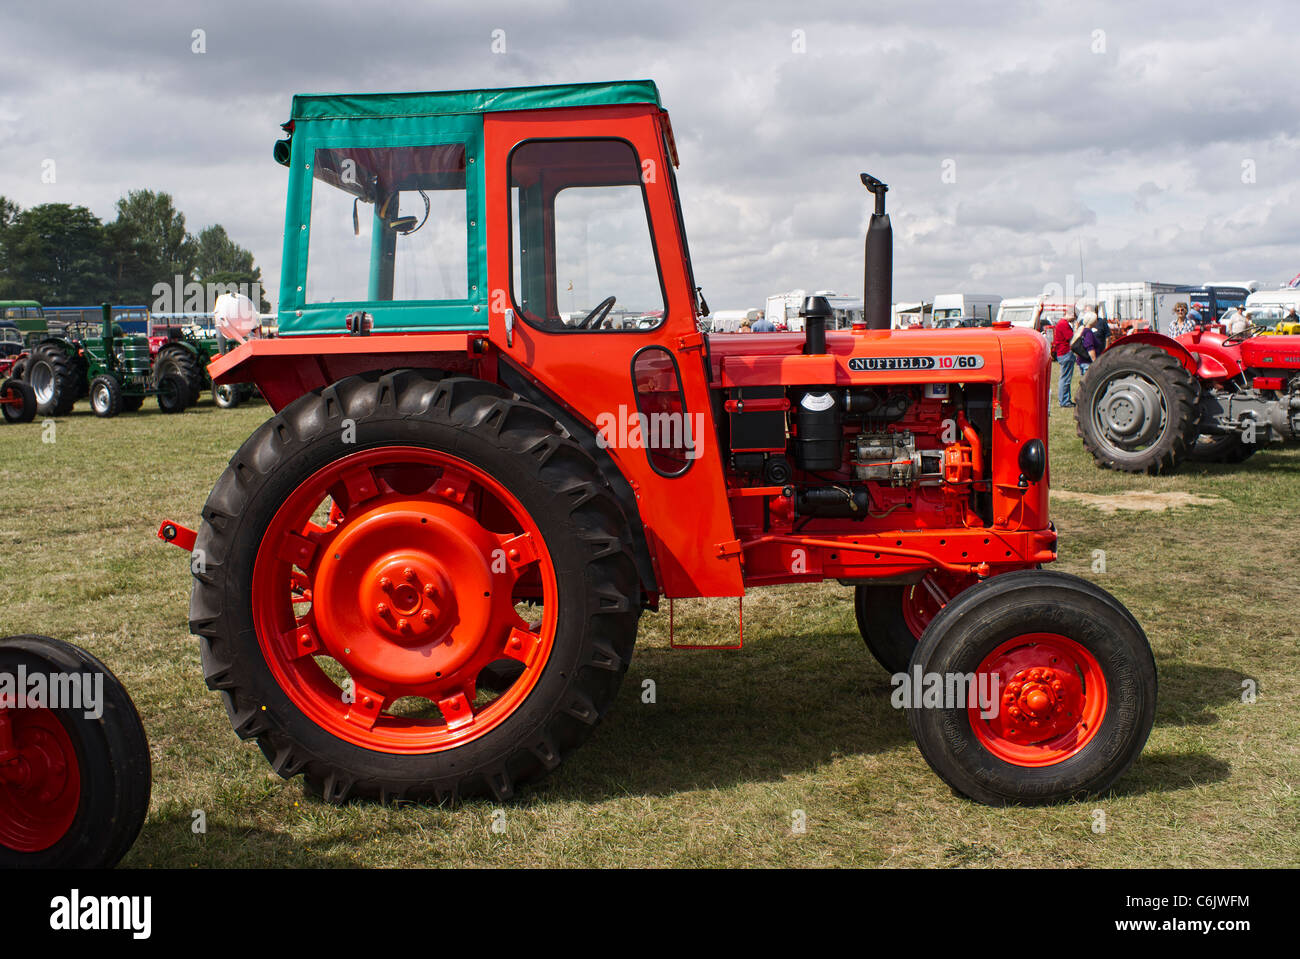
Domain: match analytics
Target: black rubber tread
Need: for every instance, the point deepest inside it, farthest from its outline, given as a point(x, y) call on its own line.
point(113, 755)
point(19, 370)
point(131, 404)
point(982, 617)
point(173, 393)
point(114, 388)
point(879, 612)
point(553, 478)
point(24, 413)
point(181, 361)
point(1223, 448)
point(67, 386)
point(1181, 392)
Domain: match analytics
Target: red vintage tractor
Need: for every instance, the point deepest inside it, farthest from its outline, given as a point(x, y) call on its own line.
point(499, 436)
point(1151, 401)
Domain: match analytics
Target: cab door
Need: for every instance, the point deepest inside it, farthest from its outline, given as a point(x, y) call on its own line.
point(589, 296)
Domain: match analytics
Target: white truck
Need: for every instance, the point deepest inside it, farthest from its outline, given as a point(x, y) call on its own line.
point(1147, 304)
point(1268, 307)
point(783, 309)
point(949, 307)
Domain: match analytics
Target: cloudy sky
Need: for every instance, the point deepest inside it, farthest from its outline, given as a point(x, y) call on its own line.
point(1154, 141)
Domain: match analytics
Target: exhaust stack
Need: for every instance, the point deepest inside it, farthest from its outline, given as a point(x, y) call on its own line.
point(816, 310)
point(878, 273)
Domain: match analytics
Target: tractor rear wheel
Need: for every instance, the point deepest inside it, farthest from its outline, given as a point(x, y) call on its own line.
point(178, 361)
point(1068, 685)
point(17, 401)
point(892, 619)
point(1223, 448)
point(173, 393)
point(54, 378)
point(78, 791)
point(105, 396)
point(372, 557)
point(1137, 409)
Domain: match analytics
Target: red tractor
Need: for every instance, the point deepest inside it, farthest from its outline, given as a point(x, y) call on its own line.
point(499, 436)
point(1150, 401)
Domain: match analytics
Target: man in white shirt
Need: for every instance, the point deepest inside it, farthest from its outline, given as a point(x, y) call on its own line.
point(1238, 321)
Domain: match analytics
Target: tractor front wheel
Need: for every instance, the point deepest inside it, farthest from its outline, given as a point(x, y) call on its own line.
point(17, 401)
point(228, 395)
point(892, 619)
point(105, 396)
point(173, 393)
point(179, 361)
point(74, 777)
point(377, 555)
point(1036, 687)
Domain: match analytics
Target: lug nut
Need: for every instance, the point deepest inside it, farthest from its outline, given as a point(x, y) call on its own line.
point(403, 624)
point(382, 609)
point(429, 590)
point(409, 573)
point(427, 616)
point(385, 583)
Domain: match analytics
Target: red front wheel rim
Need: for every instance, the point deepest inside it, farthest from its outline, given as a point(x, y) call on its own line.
point(1052, 700)
point(384, 585)
point(40, 787)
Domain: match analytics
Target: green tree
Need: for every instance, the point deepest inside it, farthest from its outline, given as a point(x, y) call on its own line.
point(148, 244)
point(8, 210)
point(216, 252)
point(54, 253)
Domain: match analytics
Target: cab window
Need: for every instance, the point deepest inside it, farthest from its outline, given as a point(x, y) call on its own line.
point(582, 250)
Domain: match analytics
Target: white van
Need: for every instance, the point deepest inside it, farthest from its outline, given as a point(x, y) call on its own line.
point(950, 306)
point(1266, 307)
point(1019, 310)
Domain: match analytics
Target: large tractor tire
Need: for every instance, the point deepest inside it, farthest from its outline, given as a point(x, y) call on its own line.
point(177, 360)
point(17, 401)
point(53, 376)
point(77, 792)
point(1074, 686)
point(1137, 409)
point(173, 393)
point(374, 556)
point(105, 396)
point(1223, 448)
point(892, 619)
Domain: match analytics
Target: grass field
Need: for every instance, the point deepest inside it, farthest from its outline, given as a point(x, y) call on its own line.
point(713, 772)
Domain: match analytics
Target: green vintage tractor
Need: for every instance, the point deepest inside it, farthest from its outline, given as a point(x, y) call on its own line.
point(185, 343)
point(99, 361)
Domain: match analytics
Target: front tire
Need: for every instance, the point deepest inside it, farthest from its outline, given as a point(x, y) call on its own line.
point(173, 394)
point(19, 401)
point(81, 788)
point(892, 619)
point(105, 396)
point(180, 362)
point(296, 615)
point(1075, 690)
point(227, 396)
point(1137, 409)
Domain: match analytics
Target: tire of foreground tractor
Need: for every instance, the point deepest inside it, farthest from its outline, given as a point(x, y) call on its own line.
point(1080, 677)
point(434, 470)
point(1225, 448)
point(21, 401)
point(173, 393)
point(86, 787)
point(892, 619)
point(178, 361)
point(19, 371)
point(54, 378)
point(131, 404)
point(1137, 409)
point(228, 396)
point(105, 396)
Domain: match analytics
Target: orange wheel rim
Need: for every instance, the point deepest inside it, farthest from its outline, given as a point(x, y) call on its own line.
point(385, 584)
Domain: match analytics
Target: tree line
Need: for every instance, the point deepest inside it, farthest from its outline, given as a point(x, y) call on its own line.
point(59, 254)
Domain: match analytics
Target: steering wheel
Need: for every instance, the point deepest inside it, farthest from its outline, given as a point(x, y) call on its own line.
point(597, 316)
point(1234, 338)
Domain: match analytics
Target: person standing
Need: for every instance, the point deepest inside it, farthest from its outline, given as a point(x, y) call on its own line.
point(1062, 334)
point(763, 324)
point(1183, 323)
point(1238, 321)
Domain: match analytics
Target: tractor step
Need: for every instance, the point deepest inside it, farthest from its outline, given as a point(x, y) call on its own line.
point(177, 535)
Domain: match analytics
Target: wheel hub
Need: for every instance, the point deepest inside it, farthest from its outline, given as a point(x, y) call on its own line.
point(40, 788)
point(1040, 703)
point(1130, 411)
point(395, 613)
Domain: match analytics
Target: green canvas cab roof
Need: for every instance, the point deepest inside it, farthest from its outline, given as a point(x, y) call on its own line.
point(343, 106)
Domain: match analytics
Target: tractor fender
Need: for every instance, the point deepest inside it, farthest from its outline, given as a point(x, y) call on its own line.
point(1210, 361)
point(515, 381)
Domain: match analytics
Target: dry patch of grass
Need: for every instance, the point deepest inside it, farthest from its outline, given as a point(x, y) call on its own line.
point(1142, 500)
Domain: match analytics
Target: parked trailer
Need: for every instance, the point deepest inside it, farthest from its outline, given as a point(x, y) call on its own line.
point(783, 309)
point(955, 306)
point(1146, 304)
